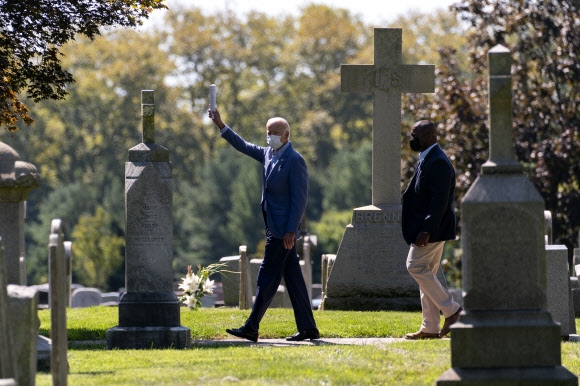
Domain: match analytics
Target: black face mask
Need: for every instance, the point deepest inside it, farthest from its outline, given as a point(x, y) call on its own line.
point(415, 144)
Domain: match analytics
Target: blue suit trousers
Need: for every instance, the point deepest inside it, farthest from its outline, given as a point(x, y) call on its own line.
point(281, 262)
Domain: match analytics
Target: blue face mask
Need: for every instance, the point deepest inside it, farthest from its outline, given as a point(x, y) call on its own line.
point(274, 141)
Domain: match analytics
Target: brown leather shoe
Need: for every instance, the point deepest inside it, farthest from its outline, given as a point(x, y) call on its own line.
point(448, 322)
point(421, 335)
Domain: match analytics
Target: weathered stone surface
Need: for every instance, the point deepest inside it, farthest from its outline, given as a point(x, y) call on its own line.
point(59, 299)
point(369, 271)
point(7, 357)
point(43, 350)
point(386, 79)
point(368, 276)
point(231, 280)
point(149, 233)
point(149, 337)
point(86, 297)
point(576, 301)
point(17, 180)
point(505, 334)
point(149, 309)
point(23, 302)
point(558, 286)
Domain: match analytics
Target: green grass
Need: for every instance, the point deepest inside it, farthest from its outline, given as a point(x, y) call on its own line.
point(210, 323)
point(398, 363)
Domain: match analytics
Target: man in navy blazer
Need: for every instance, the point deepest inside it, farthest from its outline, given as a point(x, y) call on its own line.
point(284, 195)
point(428, 221)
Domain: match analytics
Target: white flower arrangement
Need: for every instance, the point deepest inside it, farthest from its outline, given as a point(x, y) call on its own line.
point(197, 286)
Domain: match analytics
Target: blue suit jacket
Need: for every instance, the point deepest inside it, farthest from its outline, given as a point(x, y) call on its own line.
point(428, 200)
point(284, 189)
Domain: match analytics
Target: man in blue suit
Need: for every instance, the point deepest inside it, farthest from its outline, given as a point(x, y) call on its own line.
point(428, 221)
point(284, 194)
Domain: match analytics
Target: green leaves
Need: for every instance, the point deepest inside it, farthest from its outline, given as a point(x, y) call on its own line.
point(544, 40)
point(33, 34)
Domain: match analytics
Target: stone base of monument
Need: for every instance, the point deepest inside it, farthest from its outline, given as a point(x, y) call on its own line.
point(372, 303)
point(149, 320)
point(148, 337)
point(149, 309)
point(369, 272)
point(532, 355)
point(557, 375)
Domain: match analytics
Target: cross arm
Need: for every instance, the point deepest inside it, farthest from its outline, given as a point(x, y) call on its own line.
point(355, 78)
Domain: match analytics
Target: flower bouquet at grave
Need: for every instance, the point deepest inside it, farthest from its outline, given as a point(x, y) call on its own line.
point(196, 286)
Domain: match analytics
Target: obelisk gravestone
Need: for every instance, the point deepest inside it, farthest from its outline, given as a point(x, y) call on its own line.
point(369, 271)
point(149, 311)
point(505, 335)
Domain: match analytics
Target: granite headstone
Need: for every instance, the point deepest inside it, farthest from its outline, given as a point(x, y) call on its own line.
point(505, 334)
point(369, 271)
point(149, 310)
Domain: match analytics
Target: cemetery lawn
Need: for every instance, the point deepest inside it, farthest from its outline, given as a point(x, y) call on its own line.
point(396, 363)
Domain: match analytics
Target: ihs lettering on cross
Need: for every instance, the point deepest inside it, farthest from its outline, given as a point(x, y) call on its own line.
point(386, 79)
point(148, 115)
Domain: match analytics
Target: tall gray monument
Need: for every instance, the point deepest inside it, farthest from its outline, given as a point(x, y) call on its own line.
point(369, 272)
point(149, 311)
point(505, 335)
point(17, 180)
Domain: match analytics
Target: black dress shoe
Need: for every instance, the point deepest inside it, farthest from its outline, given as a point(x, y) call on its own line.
point(448, 322)
point(308, 334)
point(243, 333)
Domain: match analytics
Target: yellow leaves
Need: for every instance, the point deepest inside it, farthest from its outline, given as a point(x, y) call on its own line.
point(11, 110)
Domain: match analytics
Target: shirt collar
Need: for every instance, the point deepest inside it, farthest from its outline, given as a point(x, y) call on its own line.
point(278, 153)
point(424, 153)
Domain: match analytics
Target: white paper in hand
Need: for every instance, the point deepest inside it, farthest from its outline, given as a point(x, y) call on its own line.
point(212, 99)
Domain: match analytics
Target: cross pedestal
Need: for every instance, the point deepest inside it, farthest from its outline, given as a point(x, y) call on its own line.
point(369, 272)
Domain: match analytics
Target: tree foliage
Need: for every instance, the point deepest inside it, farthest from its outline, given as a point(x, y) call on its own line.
point(263, 66)
point(544, 38)
point(97, 253)
point(288, 66)
point(32, 35)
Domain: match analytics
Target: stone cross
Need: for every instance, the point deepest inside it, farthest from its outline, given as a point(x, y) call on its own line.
point(148, 115)
point(369, 270)
point(387, 78)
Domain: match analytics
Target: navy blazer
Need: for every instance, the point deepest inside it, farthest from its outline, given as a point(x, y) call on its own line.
point(284, 189)
point(428, 200)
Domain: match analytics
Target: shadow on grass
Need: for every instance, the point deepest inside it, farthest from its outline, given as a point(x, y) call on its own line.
point(94, 372)
point(207, 344)
point(79, 334)
point(87, 346)
point(211, 344)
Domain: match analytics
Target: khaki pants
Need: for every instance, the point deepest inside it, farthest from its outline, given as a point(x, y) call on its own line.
point(422, 264)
